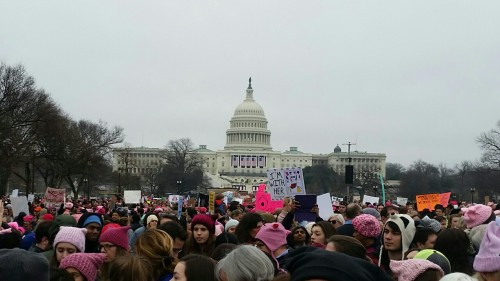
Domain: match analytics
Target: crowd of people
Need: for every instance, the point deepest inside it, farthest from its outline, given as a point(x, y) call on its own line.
point(108, 240)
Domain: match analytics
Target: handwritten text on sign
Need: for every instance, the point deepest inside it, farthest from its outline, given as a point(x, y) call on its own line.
point(427, 201)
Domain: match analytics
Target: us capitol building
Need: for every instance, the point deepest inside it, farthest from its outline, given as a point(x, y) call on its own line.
point(247, 155)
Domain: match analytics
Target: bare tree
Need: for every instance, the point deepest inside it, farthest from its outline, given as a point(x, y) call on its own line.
point(23, 107)
point(490, 143)
point(183, 169)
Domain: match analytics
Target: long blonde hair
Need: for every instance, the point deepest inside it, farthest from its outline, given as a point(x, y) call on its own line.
point(157, 247)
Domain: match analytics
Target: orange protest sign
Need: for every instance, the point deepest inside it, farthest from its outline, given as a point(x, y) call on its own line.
point(427, 201)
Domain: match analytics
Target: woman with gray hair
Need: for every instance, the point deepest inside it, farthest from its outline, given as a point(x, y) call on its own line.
point(245, 263)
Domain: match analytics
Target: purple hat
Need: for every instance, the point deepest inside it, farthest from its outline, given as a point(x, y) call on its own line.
point(488, 258)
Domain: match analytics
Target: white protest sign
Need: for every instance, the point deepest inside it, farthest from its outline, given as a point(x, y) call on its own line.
point(294, 181)
point(401, 201)
point(132, 196)
point(15, 192)
point(370, 199)
point(240, 200)
point(19, 204)
point(54, 197)
point(285, 182)
point(173, 199)
point(31, 198)
point(325, 205)
point(276, 184)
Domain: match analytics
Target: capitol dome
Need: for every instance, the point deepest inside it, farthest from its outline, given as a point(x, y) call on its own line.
point(248, 126)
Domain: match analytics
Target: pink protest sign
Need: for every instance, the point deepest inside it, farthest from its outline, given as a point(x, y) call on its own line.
point(444, 198)
point(54, 196)
point(263, 201)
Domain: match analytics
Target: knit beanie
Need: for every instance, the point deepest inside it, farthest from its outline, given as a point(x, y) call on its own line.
point(48, 217)
point(476, 215)
point(151, 218)
point(92, 219)
point(273, 235)
point(28, 218)
point(21, 265)
point(305, 263)
point(109, 226)
point(476, 235)
point(407, 227)
point(61, 220)
point(73, 235)
point(87, 263)
point(366, 225)
point(116, 236)
point(230, 224)
point(430, 223)
point(409, 270)
point(457, 276)
point(488, 258)
point(373, 212)
point(436, 257)
point(205, 220)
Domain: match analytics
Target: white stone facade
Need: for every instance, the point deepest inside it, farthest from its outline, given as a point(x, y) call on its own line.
point(247, 155)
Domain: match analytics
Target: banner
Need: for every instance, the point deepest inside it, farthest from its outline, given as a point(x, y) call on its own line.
point(54, 197)
point(132, 196)
point(427, 201)
point(444, 198)
point(287, 182)
point(325, 206)
point(370, 199)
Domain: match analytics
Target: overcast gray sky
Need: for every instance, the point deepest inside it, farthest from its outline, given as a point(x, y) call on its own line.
point(414, 80)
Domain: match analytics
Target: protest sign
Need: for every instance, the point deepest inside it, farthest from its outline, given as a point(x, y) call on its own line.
point(31, 198)
point(263, 201)
point(54, 197)
point(427, 201)
point(179, 207)
point(285, 182)
point(444, 198)
point(173, 199)
point(370, 199)
point(325, 205)
point(211, 202)
point(401, 201)
point(19, 204)
point(276, 184)
point(132, 196)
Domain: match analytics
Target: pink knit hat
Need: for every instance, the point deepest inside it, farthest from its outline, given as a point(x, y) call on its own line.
point(476, 215)
point(409, 270)
point(205, 220)
point(116, 236)
point(73, 235)
point(367, 225)
point(273, 235)
point(488, 258)
point(88, 264)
